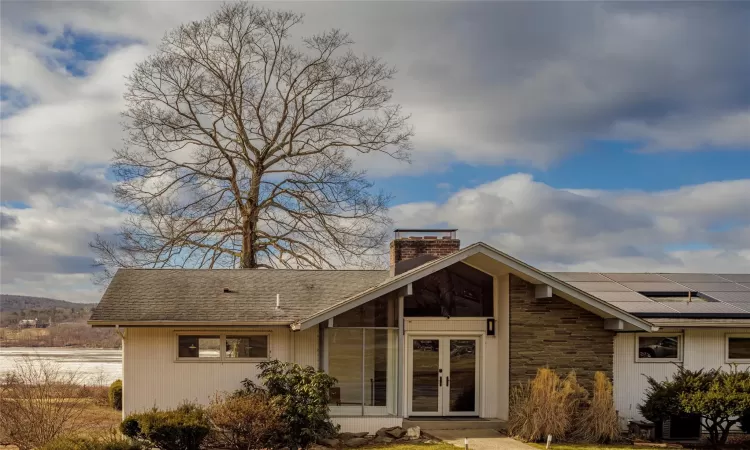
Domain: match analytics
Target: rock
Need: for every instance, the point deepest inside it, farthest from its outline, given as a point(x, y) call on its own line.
point(316, 447)
point(383, 440)
point(396, 432)
point(356, 442)
point(333, 443)
point(413, 433)
point(382, 432)
point(347, 436)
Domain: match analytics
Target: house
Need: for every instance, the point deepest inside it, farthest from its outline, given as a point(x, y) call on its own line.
point(446, 331)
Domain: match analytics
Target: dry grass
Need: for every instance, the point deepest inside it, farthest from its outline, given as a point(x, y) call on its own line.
point(40, 402)
point(545, 405)
point(598, 422)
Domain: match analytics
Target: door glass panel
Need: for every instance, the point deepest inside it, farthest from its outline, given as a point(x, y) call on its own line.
point(425, 366)
point(463, 366)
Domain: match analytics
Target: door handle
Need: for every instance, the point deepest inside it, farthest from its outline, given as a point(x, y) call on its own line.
point(447, 381)
point(441, 381)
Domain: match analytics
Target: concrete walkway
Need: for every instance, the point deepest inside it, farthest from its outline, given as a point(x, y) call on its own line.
point(479, 439)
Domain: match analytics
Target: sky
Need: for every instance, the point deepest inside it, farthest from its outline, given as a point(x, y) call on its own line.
point(573, 135)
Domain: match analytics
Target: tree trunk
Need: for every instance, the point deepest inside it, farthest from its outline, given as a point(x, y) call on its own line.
point(250, 225)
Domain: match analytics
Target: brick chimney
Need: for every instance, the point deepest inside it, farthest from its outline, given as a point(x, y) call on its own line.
point(413, 247)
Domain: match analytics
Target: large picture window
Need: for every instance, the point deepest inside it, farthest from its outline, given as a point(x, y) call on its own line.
point(222, 347)
point(659, 348)
point(364, 361)
point(456, 291)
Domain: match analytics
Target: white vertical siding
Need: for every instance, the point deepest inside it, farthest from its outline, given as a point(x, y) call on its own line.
point(154, 378)
point(702, 348)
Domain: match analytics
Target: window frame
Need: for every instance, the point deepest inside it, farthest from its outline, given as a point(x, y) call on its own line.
point(222, 346)
point(680, 348)
point(729, 360)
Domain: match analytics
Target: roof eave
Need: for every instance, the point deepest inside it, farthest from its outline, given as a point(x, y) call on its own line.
point(479, 247)
point(177, 323)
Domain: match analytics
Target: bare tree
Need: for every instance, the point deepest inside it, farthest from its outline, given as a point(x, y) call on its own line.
point(239, 148)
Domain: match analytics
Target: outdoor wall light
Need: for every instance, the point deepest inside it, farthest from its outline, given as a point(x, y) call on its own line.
point(490, 327)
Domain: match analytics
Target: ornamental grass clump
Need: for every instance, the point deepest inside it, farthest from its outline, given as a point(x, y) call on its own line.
point(598, 422)
point(546, 405)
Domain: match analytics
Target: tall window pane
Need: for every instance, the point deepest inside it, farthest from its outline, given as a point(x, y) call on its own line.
point(381, 353)
point(345, 364)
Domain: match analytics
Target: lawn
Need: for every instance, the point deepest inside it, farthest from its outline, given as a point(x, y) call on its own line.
point(566, 446)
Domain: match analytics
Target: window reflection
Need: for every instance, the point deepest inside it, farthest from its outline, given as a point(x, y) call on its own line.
point(456, 291)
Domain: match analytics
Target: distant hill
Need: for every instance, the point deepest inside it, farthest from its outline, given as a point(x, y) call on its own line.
point(10, 303)
point(16, 307)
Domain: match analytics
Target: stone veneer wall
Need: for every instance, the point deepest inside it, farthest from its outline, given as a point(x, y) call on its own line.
point(557, 334)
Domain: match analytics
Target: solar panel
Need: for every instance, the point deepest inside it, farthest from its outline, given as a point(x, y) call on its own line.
point(656, 287)
point(692, 277)
point(578, 276)
point(597, 286)
point(737, 277)
point(705, 308)
point(741, 297)
point(644, 307)
point(744, 306)
point(621, 277)
point(621, 297)
point(716, 287)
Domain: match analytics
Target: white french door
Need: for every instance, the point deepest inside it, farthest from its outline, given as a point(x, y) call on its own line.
point(443, 376)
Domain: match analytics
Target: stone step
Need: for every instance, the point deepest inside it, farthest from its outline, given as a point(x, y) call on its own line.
point(427, 424)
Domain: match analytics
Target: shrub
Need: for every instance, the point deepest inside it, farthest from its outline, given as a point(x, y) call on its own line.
point(545, 405)
point(302, 394)
point(39, 403)
point(598, 422)
point(720, 397)
point(115, 395)
point(183, 428)
point(244, 422)
point(93, 443)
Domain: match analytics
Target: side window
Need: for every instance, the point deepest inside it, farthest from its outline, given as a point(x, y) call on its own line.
point(659, 348)
point(223, 347)
point(246, 347)
point(199, 346)
point(738, 348)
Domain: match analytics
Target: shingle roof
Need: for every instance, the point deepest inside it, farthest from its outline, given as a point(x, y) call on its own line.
point(198, 295)
point(727, 295)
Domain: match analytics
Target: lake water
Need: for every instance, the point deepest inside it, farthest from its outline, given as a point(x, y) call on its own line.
point(91, 364)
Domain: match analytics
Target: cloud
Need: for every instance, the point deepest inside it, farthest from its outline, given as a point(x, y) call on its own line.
point(483, 84)
point(599, 230)
point(19, 186)
point(7, 220)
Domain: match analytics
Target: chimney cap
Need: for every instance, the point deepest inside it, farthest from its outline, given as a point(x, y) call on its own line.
point(428, 232)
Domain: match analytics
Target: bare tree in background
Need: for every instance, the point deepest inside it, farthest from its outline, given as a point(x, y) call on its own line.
point(239, 147)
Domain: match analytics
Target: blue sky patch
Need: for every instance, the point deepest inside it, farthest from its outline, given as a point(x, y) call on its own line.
point(82, 47)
